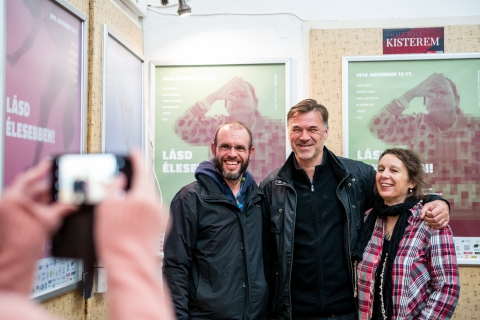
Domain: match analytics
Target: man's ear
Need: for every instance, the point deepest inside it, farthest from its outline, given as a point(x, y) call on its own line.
point(213, 148)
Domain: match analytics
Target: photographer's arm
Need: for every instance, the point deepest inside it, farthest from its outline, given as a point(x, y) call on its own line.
point(27, 219)
point(127, 227)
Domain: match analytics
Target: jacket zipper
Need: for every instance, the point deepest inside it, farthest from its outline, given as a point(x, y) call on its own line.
point(348, 242)
point(293, 235)
point(248, 204)
point(243, 244)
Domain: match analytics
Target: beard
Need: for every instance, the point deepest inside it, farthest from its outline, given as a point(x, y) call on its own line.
point(230, 175)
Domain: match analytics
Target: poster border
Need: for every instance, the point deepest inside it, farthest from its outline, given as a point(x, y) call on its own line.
point(109, 32)
point(83, 98)
point(83, 116)
point(3, 75)
point(195, 63)
point(394, 57)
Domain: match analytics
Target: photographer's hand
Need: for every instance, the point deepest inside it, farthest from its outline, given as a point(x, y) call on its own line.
point(127, 227)
point(27, 219)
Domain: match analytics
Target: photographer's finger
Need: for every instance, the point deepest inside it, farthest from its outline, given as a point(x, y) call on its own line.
point(33, 174)
point(41, 191)
point(49, 216)
point(116, 190)
point(55, 213)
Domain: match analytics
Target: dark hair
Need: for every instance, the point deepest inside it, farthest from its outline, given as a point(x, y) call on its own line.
point(414, 164)
point(234, 125)
point(306, 106)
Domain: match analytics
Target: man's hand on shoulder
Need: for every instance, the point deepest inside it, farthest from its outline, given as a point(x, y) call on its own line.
point(436, 214)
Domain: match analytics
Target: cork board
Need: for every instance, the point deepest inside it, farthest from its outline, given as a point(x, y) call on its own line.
point(468, 307)
point(327, 46)
point(67, 306)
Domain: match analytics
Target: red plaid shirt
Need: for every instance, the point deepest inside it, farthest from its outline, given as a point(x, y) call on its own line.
point(425, 282)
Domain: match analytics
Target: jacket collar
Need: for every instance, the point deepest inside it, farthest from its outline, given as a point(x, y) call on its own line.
point(216, 190)
point(286, 171)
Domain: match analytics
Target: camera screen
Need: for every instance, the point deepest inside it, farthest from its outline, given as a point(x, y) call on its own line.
point(85, 178)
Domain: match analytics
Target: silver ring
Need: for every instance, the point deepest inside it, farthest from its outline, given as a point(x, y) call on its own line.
point(119, 195)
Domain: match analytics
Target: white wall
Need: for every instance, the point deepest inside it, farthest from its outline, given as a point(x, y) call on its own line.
point(220, 30)
point(314, 10)
point(212, 39)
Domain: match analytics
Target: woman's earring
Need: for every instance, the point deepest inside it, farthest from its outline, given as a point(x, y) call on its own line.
point(410, 190)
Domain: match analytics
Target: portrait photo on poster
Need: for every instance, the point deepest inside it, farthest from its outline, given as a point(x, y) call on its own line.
point(193, 100)
point(427, 103)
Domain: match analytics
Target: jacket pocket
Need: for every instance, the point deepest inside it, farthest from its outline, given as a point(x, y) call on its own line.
point(276, 218)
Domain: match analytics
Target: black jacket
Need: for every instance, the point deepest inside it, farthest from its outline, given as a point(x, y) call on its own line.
point(213, 253)
point(354, 191)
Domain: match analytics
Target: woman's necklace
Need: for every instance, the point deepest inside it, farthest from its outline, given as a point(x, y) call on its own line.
point(388, 234)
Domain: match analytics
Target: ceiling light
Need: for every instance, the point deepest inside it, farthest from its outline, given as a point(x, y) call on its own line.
point(183, 9)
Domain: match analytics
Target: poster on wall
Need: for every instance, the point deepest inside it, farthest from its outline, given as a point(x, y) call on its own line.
point(44, 95)
point(430, 104)
point(413, 40)
point(122, 95)
point(192, 101)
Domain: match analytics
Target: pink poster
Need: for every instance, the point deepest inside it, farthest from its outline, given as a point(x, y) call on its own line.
point(43, 84)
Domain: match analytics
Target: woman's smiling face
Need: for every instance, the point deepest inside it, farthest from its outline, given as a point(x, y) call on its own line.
point(393, 180)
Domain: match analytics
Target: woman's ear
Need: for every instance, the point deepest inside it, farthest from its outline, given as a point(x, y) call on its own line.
point(413, 184)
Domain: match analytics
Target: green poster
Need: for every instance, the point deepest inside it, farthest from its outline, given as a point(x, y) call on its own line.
point(428, 104)
point(192, 101)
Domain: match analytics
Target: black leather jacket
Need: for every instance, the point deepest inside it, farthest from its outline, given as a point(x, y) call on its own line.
point(354, 191)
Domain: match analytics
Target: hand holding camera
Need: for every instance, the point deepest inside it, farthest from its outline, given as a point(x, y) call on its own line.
point(127, 223)
point(131, 218)
point(27, 218)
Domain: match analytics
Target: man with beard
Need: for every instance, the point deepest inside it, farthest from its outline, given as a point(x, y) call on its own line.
point(213, 252)
point(196, 126)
